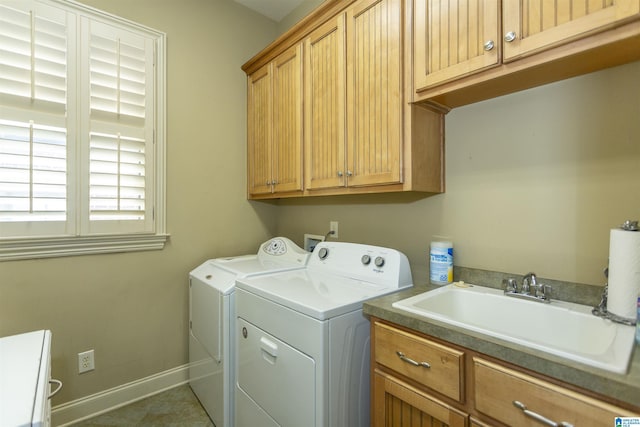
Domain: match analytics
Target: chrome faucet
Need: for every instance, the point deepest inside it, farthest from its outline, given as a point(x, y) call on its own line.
point(528, 281)
point(530, 288)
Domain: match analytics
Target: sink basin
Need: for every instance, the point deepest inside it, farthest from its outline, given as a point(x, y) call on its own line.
point(561, 328)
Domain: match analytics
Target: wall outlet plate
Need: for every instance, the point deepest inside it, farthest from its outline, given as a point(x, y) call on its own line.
point(85, 361)
point(311, 240)
point(333, 229)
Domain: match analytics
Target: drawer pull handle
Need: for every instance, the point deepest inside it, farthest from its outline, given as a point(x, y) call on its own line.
point(542, 419)
point(411, 361)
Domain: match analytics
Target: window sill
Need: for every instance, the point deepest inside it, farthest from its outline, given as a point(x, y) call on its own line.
point(16, 249)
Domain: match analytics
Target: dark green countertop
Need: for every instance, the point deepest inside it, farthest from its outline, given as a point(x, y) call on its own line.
point(625, 388)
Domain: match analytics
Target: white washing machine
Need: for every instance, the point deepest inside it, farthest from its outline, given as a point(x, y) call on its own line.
point(212, 318)
point(302, 341)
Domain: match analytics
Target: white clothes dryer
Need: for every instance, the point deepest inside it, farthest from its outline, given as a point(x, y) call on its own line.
point(212, 318)
point(303, 342)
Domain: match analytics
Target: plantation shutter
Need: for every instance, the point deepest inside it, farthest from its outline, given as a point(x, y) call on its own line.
point(33, 119)
point(120, 130)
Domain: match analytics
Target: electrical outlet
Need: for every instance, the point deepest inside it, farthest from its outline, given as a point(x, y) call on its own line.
point(85, 361)
point(333, 227)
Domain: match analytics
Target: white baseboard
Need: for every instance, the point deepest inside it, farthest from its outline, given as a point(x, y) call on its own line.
point(104, 401)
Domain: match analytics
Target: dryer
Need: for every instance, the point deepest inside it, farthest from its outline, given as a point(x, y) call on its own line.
point(212, 320)
point(303, 341)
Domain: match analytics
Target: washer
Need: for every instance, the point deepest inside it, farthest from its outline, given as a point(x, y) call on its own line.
point(303, 342)
point(212, 318)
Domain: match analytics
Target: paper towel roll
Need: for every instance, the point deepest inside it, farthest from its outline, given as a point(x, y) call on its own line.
point(624, 272)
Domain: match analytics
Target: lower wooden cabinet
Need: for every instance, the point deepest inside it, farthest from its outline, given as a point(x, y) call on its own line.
point(399, 404)
point(418, 380)
point(431, 364)
point(518, 399)
point(476, 423)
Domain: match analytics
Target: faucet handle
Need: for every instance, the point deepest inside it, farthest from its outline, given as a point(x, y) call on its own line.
point(510, 285)
point(543, 291)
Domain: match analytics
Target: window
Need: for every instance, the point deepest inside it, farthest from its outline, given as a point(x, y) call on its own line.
point(81, 131)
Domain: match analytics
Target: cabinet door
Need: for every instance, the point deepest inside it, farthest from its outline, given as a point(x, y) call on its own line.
point(397, 404)
point(542, 24)
point(259, 119)
point(324, 125)
point(454, 38)
point(374, 92)
point(287, 121)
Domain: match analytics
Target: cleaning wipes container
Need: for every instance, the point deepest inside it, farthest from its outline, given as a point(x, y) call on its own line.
point(441, 262)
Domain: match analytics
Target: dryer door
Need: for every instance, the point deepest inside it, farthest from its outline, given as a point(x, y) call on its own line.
point(276, 376)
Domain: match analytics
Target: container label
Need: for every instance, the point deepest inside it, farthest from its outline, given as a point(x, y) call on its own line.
point(441, 265)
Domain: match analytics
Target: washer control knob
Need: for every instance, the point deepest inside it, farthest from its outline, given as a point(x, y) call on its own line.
point(366, 259)
point(379, 261)
point(323, 253)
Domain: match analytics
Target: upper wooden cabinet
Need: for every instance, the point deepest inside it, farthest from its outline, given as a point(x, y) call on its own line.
point(454, 38)
point(374, 92)
point(361, 132)
point(470, 50)
point(530, 27)
point(259, 123)
point(324, 99)
point(358, 143)
point(274, 129)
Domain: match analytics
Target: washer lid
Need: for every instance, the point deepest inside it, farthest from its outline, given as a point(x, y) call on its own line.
point(221, 273)
point(314, 294)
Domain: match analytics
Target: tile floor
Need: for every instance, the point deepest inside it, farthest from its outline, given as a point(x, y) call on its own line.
point(176, 407)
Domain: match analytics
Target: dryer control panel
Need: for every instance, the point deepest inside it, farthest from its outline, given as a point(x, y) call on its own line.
point(374, 264)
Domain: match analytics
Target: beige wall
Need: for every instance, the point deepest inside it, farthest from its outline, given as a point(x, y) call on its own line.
point(133, 308)
point(303, 9)
point(535, 181)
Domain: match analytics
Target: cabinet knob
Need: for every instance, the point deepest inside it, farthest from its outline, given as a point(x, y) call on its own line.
point(489, 45)
point(339, 173)
point(349, 173)
point(510, 36)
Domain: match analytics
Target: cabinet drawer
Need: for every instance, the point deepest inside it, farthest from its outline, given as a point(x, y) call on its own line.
point(405, 353)
point(497, 388)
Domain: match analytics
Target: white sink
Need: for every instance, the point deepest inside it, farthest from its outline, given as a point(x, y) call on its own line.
point(560, 328)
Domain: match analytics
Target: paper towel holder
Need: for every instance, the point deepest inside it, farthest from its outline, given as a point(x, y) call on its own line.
point(601, 309)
